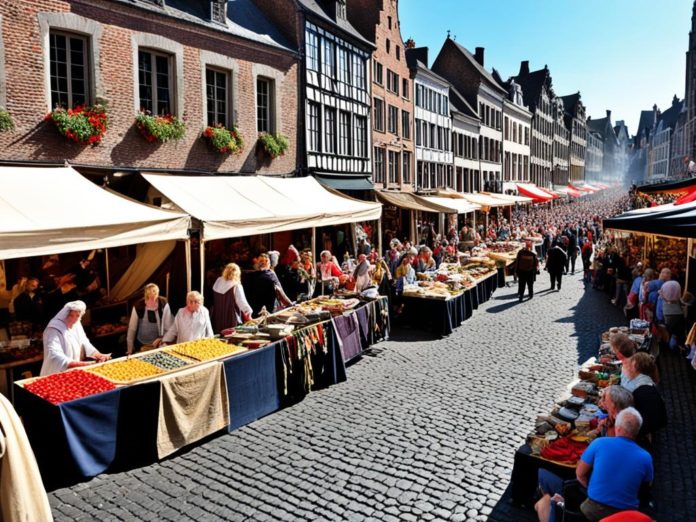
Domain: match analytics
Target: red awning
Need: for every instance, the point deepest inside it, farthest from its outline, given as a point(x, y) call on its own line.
point(573, 192)
point(579, 189)
point(686, 198)
point(554, 195)
point(532, 191)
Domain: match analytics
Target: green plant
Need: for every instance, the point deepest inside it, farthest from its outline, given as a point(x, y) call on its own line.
point(6, 123)
point(224, 140)
point(83, 124)
point(160, 128)
point(274, 144)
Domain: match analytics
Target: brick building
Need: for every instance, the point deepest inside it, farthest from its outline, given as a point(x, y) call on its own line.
point(433, 124)
point(538, 94)
point(575, 122)
point(466, 72)
point(334, 89)
point(392, 98)
point(197, 60)
point(594, 157)
point(690, 90)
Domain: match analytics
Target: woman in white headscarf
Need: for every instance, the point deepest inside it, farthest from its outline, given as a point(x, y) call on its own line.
point(64, 339)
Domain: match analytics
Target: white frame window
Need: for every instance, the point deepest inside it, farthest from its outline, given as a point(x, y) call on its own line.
point(156, 82)
point(406, 167)
point(70, 69)
point(344, 135)
point(360, 135)
point(343, 65)
point(218, 95)
point(379, 165)
point(405, 125)
point(313, 130)
point(265, 97)
point(359, 71)
point(312, 50)
point(328, 58)
point(330, 130)
point(393, 166)
point(393, 120)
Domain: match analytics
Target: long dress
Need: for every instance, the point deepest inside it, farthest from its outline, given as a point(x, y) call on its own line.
point(229, 305)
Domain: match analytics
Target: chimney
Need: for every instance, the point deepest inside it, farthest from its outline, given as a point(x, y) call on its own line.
point(420, 54)
point(655, 112)
point(479, 55)
point(608, 114)
point(524, 68)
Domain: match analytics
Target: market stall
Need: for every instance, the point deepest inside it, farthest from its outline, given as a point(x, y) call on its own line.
point(133, 411)
point(532, 191)
point(49, 211)
point(560, 437)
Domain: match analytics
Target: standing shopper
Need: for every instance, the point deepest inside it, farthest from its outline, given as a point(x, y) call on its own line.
point(555, 264)
point(230, 306)
point(526, 267)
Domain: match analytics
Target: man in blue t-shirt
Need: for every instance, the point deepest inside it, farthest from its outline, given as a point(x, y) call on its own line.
point(614, 468)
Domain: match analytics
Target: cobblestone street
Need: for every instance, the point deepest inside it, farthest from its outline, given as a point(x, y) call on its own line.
point(423, 429)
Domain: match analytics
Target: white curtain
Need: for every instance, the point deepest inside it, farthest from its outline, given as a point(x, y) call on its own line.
point(148, 258)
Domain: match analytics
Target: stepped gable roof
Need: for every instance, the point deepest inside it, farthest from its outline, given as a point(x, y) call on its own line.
point(532, 84)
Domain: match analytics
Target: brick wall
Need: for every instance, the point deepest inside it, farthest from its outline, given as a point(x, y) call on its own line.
point(123, 146)
point(450, 64)
point(371, 17)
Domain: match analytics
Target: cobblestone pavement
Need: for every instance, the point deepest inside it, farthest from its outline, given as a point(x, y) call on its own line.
point(422, 430)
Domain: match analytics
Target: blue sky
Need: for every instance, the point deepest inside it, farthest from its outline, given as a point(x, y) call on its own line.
point(623, 55)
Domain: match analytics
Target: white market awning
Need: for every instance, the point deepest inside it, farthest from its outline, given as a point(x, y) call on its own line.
point(509, 197)
point(236, 206)
point(458, 205)
point(45, 210)
point(485, 201)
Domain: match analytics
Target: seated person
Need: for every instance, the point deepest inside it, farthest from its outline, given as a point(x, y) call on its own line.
point(192, 322)
point(614, 469)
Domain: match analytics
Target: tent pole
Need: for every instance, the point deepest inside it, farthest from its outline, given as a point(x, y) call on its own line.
point(202, 253)
point(108, 273)
point(188, 265)
point(379, 237)
point(314, 245)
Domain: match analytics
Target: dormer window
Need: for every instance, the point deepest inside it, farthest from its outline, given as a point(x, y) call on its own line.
point(218, 11)
point(341, 9)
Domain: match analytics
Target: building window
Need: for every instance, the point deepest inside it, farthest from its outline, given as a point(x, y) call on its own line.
point(330, 130)
point(393, 121)
point(313, 126)
point(389, 22)
point(406, 167)
point(392, 82)
point(379, 114)
point(217, 92)
point(405, 125)
point(344, 134)
point(359, 71)
point(405, 91)
point(388, 45)
point(398, 52)
point(328, 62)
point(155, 82)
point(343, 65)
point(361, 136)
point(393, 166)
point(379, 165)
point(379, 71)
point(419, 138)
point(69, 70)
point(419, 96)
point(264, 105)
point(312, 50)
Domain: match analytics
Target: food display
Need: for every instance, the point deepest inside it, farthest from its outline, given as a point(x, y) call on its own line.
point(68, 386)
point(109, 329)
point(504, 251)
point(204, 349)
point(126, 371)
point(164, 361)
point(669, 253)
point(19, 349)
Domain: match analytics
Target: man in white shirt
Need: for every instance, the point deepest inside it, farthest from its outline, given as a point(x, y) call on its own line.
point(191, 322)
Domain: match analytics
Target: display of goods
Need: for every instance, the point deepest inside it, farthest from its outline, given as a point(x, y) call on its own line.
point(504, 247)
point(108, 329)
point(165, 361)
point(68, 386)
point(669, 253)
point(126, 371)
point(204, 349)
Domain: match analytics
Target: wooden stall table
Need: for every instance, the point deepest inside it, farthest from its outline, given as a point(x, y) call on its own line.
point(7, 371)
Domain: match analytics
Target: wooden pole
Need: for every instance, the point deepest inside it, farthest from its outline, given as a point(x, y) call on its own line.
point(108, 274)
point(188, 265)
point(202, 256)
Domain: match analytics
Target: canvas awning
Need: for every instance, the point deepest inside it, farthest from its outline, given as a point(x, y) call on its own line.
point(674, 187)
point(531, 190)
point(47, 210)
point(509, 197)
point(666, 220)
point(236, 206)
point(572, 192)
point(411, 202)
point(458, 205)
point(485, 201)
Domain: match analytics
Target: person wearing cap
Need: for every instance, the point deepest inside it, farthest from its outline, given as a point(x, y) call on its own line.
point(526, 266)
point(64, 340)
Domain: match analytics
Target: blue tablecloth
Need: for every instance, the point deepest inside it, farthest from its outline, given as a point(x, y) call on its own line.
point(252, 386)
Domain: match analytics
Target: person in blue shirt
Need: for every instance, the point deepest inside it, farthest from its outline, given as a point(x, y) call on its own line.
point(614, 469)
